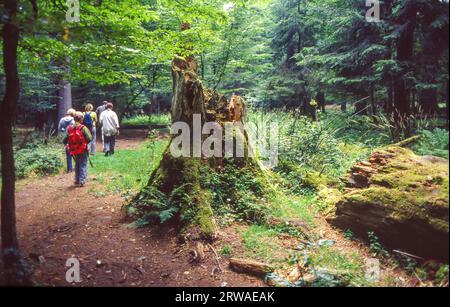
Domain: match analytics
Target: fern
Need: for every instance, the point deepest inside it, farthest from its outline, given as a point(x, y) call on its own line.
point(166, 215)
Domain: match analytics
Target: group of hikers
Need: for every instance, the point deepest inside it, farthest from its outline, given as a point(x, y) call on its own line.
point(81, 136)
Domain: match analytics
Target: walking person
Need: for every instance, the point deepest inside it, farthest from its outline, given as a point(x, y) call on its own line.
point(90, 121)
point(99, 112)
point(78, 137)
point(110, 129)
point(64, 123)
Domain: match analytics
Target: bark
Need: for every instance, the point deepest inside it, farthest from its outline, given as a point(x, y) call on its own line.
point(65, 99)
point(250, 267)
point(390, 100)
point(447, 100)
point(372, 100)
point(428, 101)
point(321, 101)
point(188, 98)
point(64, 93)
point(405, 45)
point(14, 268)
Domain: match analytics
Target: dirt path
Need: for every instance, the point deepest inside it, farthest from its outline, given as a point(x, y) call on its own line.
point(57, 221)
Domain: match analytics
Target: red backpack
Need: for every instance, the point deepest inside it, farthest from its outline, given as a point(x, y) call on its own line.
point(77, 142)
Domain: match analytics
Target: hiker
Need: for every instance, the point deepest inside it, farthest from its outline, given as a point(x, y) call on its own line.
point(64, 123)
point(110, 128)
point(90, 121)
point(99, 112)
point(78, 137)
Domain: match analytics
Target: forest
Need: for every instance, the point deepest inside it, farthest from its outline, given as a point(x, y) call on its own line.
point(340, 107)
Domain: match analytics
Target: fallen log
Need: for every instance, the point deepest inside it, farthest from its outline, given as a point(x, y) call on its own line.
point(408, 141)
point(250, 267)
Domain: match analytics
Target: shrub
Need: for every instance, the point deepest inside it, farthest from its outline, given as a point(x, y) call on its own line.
point(311, 154)
point(37, 161)
point(145, 120)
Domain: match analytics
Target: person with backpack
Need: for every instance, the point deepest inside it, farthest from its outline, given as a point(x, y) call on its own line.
point(78, 137)
point(64, 123)
point(99, 112)
point(110, 129)
point(90, 121)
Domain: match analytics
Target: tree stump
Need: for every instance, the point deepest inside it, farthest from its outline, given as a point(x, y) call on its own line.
point(174, 191)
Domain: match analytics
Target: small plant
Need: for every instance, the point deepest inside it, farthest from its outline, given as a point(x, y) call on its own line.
point(290, 230)
point(227, 250)
point(376, 247)
point(39, 161)
point(349, 235)
point(442, 275)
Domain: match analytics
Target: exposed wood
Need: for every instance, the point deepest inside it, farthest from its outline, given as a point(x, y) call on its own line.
point(217, 257)
point(408, 255)
point(250, 267)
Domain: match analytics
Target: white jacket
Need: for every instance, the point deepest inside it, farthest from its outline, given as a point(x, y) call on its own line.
point(109, 122)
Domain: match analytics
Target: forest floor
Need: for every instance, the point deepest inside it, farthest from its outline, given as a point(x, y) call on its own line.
point(57, 221)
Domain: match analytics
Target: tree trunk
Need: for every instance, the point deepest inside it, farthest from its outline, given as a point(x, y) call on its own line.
point(405, 44)
point(64, 93)
point(188, 98)
point(321, 100)
point(390, 100)
point(65, 99)
point(428, 101)
point(14, 267)
point(372, 100)
point(447, 100)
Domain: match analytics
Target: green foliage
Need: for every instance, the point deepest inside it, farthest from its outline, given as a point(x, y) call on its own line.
point(227, 250)
point(145, 120)
point(435, 142)
point(38, 161)
point(349, 235)
point(238, 193)
point(34, 157)
point(153, 205)
point(348, 267)
point(376, 247)
point(314, 154)
point(442, 275)
point(261, 243)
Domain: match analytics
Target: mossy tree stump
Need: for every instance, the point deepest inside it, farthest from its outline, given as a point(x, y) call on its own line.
point(174, 191)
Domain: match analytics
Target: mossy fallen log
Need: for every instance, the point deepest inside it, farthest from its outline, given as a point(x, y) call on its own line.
point(403, 199)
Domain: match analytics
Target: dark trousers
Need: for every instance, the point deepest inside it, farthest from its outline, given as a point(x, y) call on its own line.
point(69, 160)
point(110, 144)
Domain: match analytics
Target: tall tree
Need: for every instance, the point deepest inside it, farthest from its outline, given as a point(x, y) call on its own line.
point(14, 267)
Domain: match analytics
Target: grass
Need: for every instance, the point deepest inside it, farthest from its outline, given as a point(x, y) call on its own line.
point(351, 266)
point(128, 170)
point(145, 120)
point(262, 243)
point(285, 205)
